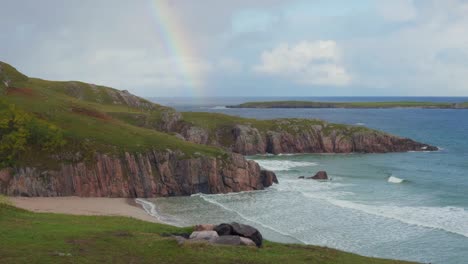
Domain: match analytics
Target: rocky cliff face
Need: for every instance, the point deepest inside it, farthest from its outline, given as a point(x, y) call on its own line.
point(289, 138)
point(152, 174)
point(249, 141)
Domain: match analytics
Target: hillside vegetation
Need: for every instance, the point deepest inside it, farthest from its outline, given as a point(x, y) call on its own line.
point(43, 121)
point(83, 117)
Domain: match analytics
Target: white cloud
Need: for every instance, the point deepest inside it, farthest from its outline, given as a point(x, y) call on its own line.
point(312, 63)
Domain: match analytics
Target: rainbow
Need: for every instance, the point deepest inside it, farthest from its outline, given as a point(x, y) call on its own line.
point(177, 44)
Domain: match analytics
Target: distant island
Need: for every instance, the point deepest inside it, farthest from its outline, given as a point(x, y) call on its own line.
point(356, 105)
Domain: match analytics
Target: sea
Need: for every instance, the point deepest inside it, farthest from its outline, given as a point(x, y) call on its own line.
point(408, 206)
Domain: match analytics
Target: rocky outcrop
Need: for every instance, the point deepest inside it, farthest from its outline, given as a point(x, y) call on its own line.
point(315, 140)
point(321, 175)
point(169, 120)
point(151, 174)
point(249, 140)
point(233, 234)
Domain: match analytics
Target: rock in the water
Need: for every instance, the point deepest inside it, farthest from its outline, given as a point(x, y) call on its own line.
point(248, 232)
point(321, 175)
point(223, 229)
point(268, 177)
point(301, 177)
point(203, 235)
point(227, 240)
point(247, 242)
point(205, 227)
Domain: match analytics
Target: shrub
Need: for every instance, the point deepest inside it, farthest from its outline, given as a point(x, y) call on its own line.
point(20, 131)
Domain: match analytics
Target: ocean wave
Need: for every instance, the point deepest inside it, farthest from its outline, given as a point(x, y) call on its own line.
point(393, 179)
point(219, 107)
point(150, 208)
point(449, 219)
point(283, 165)
point(212, 201)
point(360, 124)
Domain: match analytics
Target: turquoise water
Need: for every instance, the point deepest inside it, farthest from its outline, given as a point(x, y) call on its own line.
point(422, 218)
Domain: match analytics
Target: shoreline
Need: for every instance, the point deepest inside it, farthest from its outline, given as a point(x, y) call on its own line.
point(84, 206)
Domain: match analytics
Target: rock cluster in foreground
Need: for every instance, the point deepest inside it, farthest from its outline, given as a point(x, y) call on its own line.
point(233, 234)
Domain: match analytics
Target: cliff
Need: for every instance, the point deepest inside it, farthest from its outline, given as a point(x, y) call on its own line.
point(249, 137)
point(152, 174)
point(75, 138)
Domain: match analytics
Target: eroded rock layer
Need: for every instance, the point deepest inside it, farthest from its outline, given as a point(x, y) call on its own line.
point(151, 174)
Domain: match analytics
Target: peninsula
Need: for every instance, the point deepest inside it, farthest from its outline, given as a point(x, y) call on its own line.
point(80, 139)
point(356, 105)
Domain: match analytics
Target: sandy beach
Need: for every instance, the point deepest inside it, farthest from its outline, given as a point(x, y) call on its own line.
point(83, 206)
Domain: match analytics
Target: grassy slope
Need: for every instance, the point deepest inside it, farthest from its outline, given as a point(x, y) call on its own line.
point(86, 114)
point(309, 104)
point(40, 238)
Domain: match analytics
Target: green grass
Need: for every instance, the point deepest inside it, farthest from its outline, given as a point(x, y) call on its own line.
point(97, 116)
point(4, 200)
point(55, 238)
point(214, 123)
point(310, 104)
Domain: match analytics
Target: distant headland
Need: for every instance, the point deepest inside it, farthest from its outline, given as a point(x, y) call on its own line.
point(356, 105)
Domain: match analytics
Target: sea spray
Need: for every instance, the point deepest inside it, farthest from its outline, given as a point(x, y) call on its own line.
point(393, 179)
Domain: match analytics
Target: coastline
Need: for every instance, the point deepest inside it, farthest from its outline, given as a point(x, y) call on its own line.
point(84, 206)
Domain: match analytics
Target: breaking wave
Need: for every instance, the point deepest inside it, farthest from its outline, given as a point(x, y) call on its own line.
point(283, 165)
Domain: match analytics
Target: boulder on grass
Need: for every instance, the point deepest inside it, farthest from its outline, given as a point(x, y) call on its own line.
point(180, 240)
point(203, 235)
point(247, 242)
point(248, 232)
point(227, 240)
point(223, 229)
point(206, 227)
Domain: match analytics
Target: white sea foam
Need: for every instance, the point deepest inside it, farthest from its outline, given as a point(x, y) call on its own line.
point(283, 165)
point(393, 179)
point(212, 201)
point(450, 219)
point(360, 124)
point(219, 107)
point(150, 208)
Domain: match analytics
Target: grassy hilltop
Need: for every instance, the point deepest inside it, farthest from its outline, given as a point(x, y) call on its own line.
point(61, 118)
point(88, 118)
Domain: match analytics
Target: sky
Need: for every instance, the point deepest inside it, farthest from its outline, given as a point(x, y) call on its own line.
point(165, 48)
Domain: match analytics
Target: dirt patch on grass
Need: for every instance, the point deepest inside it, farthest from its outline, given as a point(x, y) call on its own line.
point(91, 113)
point(27, 92)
